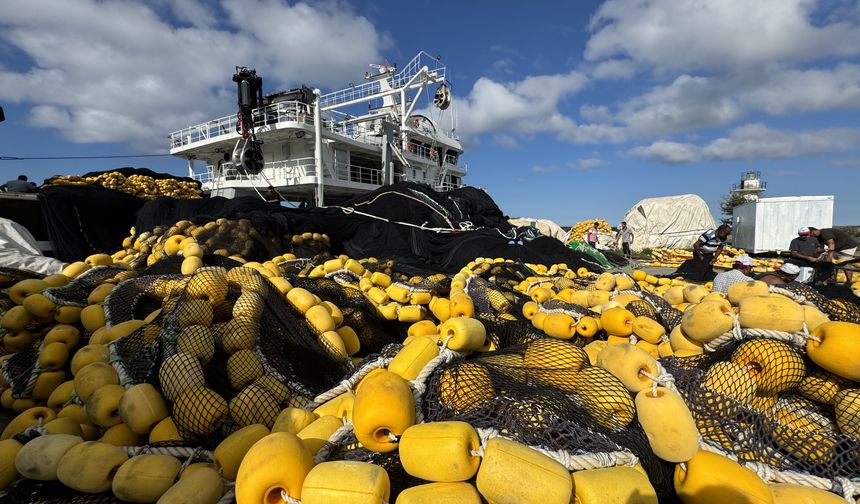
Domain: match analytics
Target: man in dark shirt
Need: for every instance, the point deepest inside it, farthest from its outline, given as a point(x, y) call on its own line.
point(272, 196)
point(804, 249)
point(19, 186)
point(841, 247)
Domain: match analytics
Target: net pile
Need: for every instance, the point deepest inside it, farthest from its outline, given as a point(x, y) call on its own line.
point(141, 183)
point(553, 358)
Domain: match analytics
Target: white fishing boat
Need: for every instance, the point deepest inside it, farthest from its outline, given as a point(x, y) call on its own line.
point(368, 135)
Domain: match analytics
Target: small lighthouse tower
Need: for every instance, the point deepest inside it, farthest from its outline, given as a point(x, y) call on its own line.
point(751, 186)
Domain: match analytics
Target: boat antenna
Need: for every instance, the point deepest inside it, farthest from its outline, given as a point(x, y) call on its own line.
point(248, 153)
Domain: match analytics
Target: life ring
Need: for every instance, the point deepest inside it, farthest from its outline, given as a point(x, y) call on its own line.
point(412, 148)
point(433, 155)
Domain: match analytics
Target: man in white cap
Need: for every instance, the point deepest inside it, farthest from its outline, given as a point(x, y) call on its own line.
point(786, 273)
point(740, 272)
point(804, 251)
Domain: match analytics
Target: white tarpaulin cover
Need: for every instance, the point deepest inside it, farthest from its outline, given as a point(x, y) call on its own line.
point(18, 250)
point(670, 221)
point(546, 227)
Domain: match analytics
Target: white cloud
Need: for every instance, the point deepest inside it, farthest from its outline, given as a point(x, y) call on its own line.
point(544, 169)
point(672, 35)
point(587, 163)
point(504, 65)
point(668, 152)
point(690, 103)
point(506, 141)
point(614, 69)
point(794, 90)
point(525, 108)
point(102, 77)
point(845, 163)
point(595, 113)
point(519, 105)
point(754, 141)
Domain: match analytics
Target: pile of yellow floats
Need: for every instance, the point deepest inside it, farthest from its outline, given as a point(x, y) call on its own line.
point(138, 185)
point(101, 432)
point(672, 258)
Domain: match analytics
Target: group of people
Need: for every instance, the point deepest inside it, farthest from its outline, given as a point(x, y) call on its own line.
point(823, 250)
point(624, 234)
point(820, 250)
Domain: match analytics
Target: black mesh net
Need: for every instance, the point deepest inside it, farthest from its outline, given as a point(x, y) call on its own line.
point(748, 400)
point(538, 395)
point(837, 304)
point(26, 491)
point(221, 371)
point(75, 292)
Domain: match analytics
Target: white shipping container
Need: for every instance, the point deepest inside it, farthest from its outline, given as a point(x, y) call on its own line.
point(769, 224)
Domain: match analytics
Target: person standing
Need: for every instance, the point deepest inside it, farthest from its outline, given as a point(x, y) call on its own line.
point(626, 236)
point(592, 235)
point(272, 196)
point(740, 272)
point(841, 247)
point(21, 185)
point(706, 251)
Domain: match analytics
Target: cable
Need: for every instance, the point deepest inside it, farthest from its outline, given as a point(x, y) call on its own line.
point(15, 158)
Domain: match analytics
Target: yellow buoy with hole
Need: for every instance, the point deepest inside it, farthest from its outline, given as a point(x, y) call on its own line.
point(292, 420)
point(613, 484)
point(412, 358)
point(705, 321)
point(141, 407)
point(548, 481)
point(230, 452)
point(90, 466)
point(630, 364)
point(463, 334)
point(668, 424)
point(440, 451)
point(202, 486)
point(384, 408)
point(315, 435)
point(440, 493)
point(28, 418)
point(346, 482)
point(39, 458)
point(834, 347)
point(276, 464)
point(9, 449)
point(145, 478)
point(714, 479)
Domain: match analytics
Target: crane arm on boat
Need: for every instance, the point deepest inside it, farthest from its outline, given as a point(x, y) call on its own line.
point(248, 153)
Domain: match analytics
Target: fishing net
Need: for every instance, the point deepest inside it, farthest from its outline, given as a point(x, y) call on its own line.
point(529, 392)
point(780, 417)
point(236, 311)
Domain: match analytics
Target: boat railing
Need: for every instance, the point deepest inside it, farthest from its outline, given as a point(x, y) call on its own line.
point(359, 174)
point(276, 113)
point(290, 172)
point(447, 186)
point(423, 151)
point(398, 80)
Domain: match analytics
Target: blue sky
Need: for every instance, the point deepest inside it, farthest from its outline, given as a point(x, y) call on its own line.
point(568, 110)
